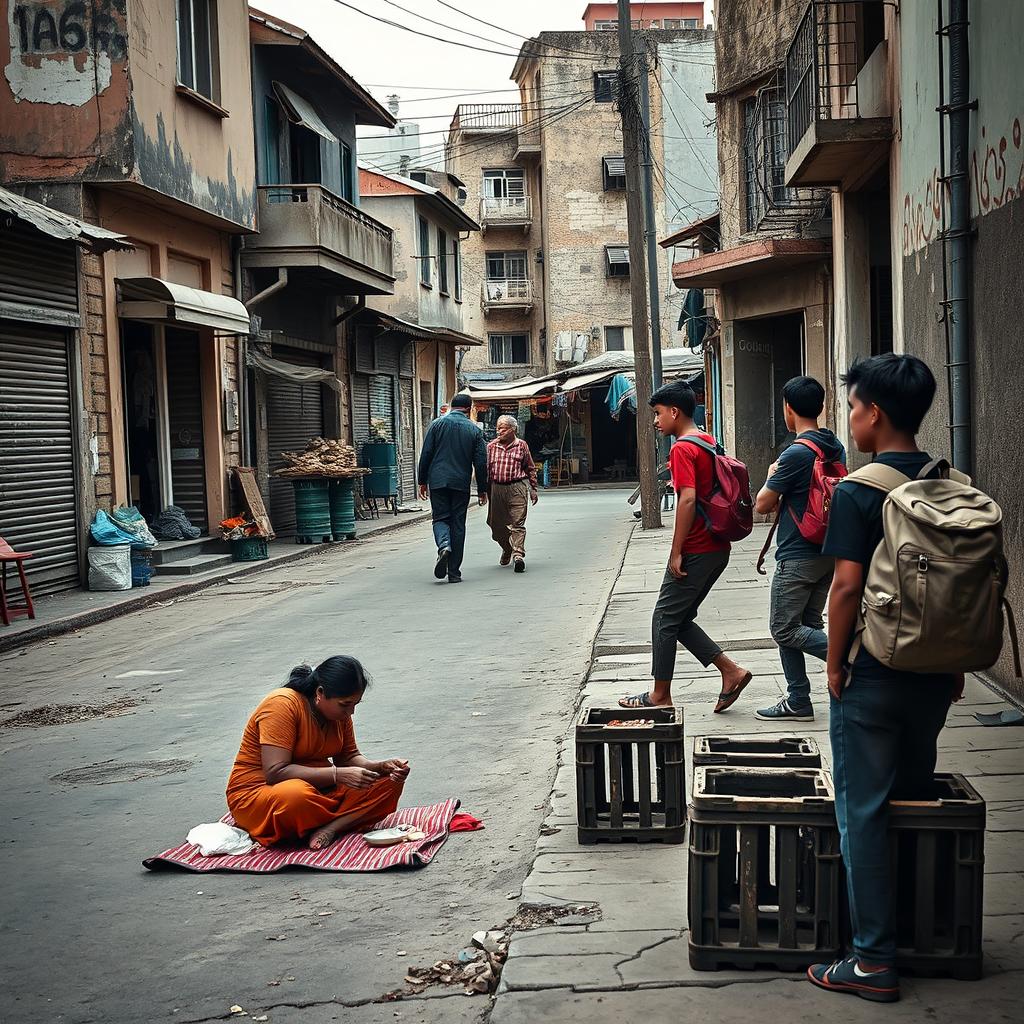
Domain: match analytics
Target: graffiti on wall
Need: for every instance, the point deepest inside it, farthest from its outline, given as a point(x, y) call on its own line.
point(63, 52)
point(996, 175)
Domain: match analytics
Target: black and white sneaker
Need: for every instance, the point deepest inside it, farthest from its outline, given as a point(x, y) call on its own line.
point(441, 568)
point(786, 712)
point(520, 565)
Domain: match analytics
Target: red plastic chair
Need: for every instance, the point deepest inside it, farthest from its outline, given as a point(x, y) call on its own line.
point(7, 611)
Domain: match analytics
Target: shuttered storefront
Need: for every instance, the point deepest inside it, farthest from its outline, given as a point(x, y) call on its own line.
point(295, 413)
point(38, 503)
point(185, 422)
point(36, 270)
point(407, 445)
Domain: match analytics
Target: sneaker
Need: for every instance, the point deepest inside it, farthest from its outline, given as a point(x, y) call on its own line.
point(505, 559)
point(455, 579)
point(441, 568)
point(786, 712)
point(879, 984)
point(520, 565)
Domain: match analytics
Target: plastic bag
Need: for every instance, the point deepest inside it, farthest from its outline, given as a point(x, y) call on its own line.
point(105, 531)
point(110, 567)
point(131, 521)
point(216, 839)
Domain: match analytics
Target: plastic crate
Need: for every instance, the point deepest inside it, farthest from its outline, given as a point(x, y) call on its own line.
point(756, 751)
point(630, 781)
point(938, 857)
point(765, 873)
point(249, 549)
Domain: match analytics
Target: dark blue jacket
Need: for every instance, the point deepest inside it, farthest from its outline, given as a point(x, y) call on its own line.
point(453, 448)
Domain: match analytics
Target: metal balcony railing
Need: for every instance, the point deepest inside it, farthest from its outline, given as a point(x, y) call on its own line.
point(822, 65)
point(496, 210)
point(513, 291)
point(487, 117)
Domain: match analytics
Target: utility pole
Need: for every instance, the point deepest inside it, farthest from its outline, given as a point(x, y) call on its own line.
point(650, 230)
point(630, 108)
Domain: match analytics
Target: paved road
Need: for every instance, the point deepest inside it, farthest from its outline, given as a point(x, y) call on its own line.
point(91, 936)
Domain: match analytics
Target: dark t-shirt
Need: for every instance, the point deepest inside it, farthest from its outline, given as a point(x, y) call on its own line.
point(792, 479)
point(855, 531)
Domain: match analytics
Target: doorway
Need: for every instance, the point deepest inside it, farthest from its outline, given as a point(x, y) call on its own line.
point(613, 442)
point(163, 408)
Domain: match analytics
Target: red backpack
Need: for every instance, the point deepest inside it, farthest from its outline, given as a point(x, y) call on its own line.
point(813, 525)
point(728, 510)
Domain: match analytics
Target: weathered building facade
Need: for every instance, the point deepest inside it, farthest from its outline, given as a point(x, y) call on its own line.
point(137, 118)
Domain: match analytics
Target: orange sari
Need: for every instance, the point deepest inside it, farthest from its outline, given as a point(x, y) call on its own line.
point(293, 808)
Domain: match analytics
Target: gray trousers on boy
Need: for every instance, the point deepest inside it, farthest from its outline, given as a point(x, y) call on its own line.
point(799, 592)
point(678, 603)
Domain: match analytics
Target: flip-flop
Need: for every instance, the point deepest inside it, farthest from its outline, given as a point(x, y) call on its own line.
point(726, 700)
point(640, 700)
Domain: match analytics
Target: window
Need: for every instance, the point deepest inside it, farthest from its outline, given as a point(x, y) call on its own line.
point(305, 155)
point(272, 144)
point(606, 86)
point(442, 260)
point(606, 26)
point(424, 253)
point(614, 169)
point(615, 339)
point(197, 47)
point(457, 264)
point(506, 266)
point(617, 257)
point(680, 23)
point(504, 184)
point(347, 191)
point(509, 349)
point(750, 161)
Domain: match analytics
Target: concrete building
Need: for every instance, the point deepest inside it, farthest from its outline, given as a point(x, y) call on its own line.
point(317, 255)
point(396, 152)
point(408, 345)
point(605, 17)
point(137, 118)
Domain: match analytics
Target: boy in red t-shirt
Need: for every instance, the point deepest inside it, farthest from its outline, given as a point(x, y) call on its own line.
point(696, 561)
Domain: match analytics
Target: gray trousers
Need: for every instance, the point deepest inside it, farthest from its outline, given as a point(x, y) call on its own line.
point(674, 614)
point(799, 592)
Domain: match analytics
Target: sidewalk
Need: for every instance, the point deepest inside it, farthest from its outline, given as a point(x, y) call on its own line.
point(64, 613)
point(630, 961)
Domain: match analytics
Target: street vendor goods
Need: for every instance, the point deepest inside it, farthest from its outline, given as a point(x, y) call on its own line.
point(322, 458)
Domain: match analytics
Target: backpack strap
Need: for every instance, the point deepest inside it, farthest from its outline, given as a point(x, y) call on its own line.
point(1011, 624)
point(703, 445)
point(879, 476)
point(806, 442)
point(768, 541)
point(946, 472)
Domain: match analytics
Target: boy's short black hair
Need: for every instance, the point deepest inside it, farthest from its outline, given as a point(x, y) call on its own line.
point(901, 386)
point(676, 393)
point(805, 396)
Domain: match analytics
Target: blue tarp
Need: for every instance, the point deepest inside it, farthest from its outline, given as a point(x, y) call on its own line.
point(621, 392)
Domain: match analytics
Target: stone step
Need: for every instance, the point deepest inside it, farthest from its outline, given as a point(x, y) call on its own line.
point(192, 566)
point(168, 551)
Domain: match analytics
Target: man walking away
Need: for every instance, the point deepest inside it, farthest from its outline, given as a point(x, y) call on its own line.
point(453, 450)
point(802, 574)
point(696, 561)
point(512, 479)
point(884, 722)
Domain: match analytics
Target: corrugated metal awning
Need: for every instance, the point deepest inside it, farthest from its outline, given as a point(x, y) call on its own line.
point(527, 389)
point(301, 111)
point(586, 380)
point(159, 301)
point(61, 225)
point(617, 254)
point(615, 166)
point(292, 371)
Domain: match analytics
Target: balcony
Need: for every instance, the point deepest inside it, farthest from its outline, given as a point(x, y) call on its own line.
point(527, 142)
point(839, 123)
point(488, 117)
point(506, 212)
point(309, 228)
point(512, 293)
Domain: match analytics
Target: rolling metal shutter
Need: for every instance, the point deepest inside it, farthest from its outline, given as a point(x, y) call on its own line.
point(360, 411)
point(295, 413)
point(407, 444)
point(37, 270)
point(38, 507)
point(185, 419)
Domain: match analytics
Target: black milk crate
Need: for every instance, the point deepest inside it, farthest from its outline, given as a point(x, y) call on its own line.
point(630, 780)
point(756, 751)
point(938, 856)
point(765, 873)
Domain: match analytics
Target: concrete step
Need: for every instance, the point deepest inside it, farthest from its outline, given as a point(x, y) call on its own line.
point(168, 551)
point(192, 566)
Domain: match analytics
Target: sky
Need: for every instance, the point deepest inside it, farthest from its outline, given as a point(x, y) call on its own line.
point(425, 72)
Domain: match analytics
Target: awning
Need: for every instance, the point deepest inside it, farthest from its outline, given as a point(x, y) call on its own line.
point(301, 111)
point(418, 332)
point(61, 225)
point(516, 392)
point(617, 254)
point(751, 259)
point(615, 166)
point(290, 371)
point(587, 380)
point(159, 301)
point(707, 227)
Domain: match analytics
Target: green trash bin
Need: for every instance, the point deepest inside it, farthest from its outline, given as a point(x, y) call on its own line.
point(381, 458)
point(312, 511)
point(343, 509)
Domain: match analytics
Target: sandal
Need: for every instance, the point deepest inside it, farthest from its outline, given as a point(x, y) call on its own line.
point(640, 700)
point(727, 699)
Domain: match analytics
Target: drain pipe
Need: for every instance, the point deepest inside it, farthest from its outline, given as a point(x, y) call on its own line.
point(958, 306)
point(243, 351)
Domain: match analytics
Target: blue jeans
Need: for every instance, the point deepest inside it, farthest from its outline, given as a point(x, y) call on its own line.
point(884, 738)
point(449, 509)
point(799, 593)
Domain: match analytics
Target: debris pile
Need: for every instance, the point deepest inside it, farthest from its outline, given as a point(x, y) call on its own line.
point(322, 457)
point(476, 968)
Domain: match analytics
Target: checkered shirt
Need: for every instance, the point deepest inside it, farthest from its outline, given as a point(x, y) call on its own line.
point(508, 465)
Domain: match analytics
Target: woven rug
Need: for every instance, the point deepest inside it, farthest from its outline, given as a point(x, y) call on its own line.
point(350, 853)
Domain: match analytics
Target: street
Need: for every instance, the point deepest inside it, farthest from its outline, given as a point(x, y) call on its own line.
point(472, 683)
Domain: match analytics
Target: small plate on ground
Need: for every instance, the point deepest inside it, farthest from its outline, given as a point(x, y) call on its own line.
point(404, 833)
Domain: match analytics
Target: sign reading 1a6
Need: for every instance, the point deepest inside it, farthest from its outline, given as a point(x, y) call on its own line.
point(69, 27)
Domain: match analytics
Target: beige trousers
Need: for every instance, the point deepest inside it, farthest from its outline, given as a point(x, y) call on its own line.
point(507, 505)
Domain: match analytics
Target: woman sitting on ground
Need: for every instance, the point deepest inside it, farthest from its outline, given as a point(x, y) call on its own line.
point(284, 787)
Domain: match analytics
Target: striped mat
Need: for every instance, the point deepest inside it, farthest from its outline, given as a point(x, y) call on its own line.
point(350, 853)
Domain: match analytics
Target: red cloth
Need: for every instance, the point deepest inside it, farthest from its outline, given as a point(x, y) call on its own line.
point(465, 823)
point(690, 466)
point(507, 464)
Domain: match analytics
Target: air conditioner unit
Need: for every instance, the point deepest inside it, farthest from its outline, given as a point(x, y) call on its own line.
point(563, 347)
point(579, 349)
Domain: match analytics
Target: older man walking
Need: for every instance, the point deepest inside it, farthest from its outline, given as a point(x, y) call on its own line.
point(452, 450)
point(513, 483)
